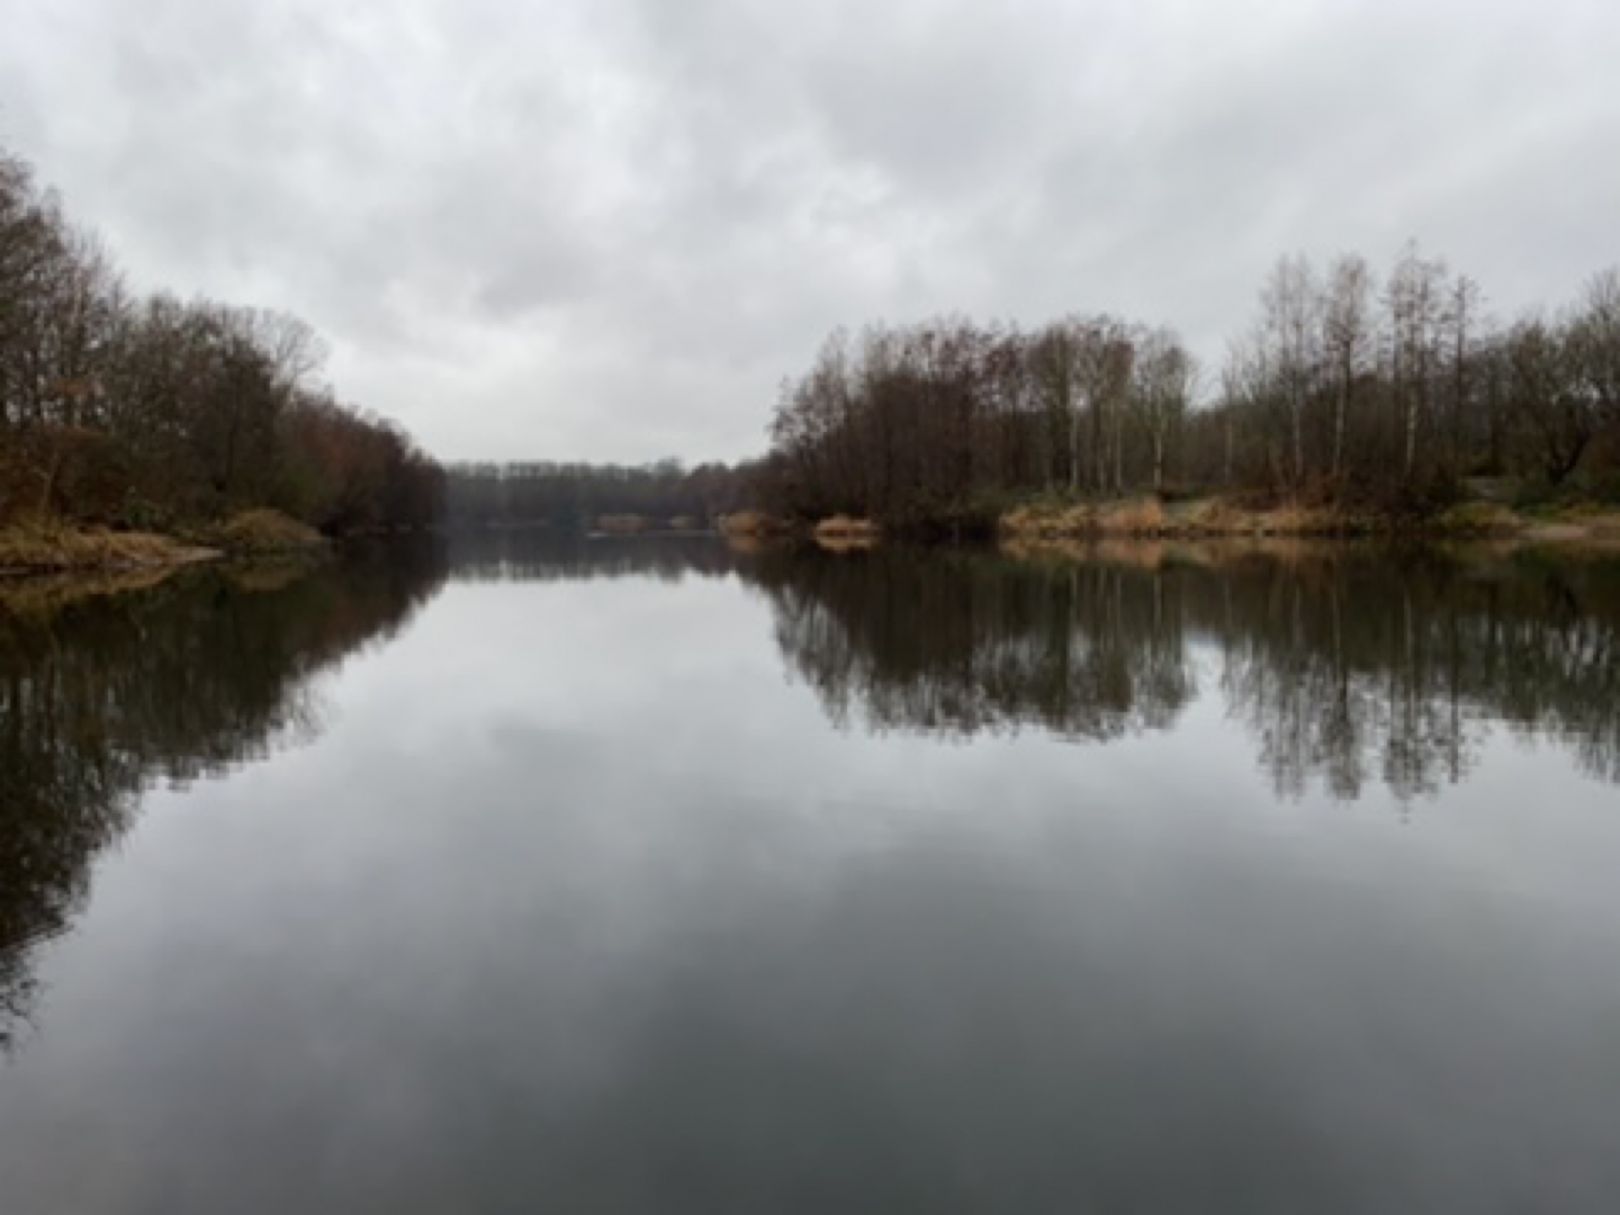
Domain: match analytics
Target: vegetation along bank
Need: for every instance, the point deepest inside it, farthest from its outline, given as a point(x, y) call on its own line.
point(147, 429)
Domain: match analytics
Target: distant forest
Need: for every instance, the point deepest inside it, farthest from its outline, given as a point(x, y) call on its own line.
point(144, 412)
point(584, 495)
point(1347, 388)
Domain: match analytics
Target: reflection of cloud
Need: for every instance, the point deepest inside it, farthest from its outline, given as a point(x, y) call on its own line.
point(604, 911)
point(177, 684)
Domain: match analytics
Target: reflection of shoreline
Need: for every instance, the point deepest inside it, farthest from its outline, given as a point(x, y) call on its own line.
point(1348, 663)
point(1154, 554)
point(39, 594)
point(1219, 551)
point(543, 555)
point(109, 686)
point(50, 593)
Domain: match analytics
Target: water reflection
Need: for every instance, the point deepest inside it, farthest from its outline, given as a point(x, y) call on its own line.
point(102, 696)
point(966, 643)
point(555, 555)
point(1347, 664)
point(579, 897)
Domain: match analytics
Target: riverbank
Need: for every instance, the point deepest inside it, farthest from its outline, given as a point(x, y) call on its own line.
point(1151, 518)
point(1201, 518)
point(44, 549)
point(53, 548)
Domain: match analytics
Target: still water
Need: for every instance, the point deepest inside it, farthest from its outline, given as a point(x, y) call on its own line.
point(651, 876)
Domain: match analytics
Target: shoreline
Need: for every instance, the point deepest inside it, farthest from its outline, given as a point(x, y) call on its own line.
point(1216, 519)
point(50, 548)
point(1149, 519)
point(69, 553)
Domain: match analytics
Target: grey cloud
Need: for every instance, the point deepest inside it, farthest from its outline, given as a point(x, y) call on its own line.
point(606, 228)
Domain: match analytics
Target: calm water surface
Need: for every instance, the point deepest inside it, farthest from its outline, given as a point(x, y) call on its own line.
point(648, 876)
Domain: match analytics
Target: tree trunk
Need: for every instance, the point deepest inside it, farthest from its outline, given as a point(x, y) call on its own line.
point(1299, 443)
point(47, 490)
point(1341, 407)
point(1074, 448)
point(1411, 437)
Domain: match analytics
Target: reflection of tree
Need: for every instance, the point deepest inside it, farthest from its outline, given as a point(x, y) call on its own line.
point(1346, 664)
point(101, 698)
point(962, 643)
point(538, 554)
point(1360, 665)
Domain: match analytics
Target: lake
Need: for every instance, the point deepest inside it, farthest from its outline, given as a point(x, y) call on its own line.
point(648, 875)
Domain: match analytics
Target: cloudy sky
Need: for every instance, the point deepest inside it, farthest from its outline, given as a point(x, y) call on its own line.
point(607, 228)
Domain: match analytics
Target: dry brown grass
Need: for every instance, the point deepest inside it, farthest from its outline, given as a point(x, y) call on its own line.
point(1128, 517)
point(754, 524)
point(1134, 517)
point(263, 532)
point(1292, 519)
point(49, 546)
point(46, 546)
point(1479, 519)
point(1207, 517)
point(1048, 522)
point(1043, 527)
point(1214, 517)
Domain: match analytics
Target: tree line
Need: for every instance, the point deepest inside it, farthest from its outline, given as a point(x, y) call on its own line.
point(1345, 388)
point(580, 495)
point(145, 411)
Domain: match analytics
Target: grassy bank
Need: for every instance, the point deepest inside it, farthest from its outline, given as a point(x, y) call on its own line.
point(49, 547)
point(259, 533)
point(43, 547)
point(1049, 521)
point(756, 525)
point(42, 596)
point(1151, 518)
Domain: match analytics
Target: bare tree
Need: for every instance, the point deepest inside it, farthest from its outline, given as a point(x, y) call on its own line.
point(1323, 386)
point(1347, 341)
point(1595, 342)
point(1548, 397)
point(1460, 320)
point(1290, 304)
point(1414, 298)
point(1161, 394)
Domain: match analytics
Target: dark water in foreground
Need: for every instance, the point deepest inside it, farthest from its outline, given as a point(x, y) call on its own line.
point(648, 876)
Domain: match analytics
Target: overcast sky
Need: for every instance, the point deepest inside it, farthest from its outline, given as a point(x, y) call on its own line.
point(607, 228)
